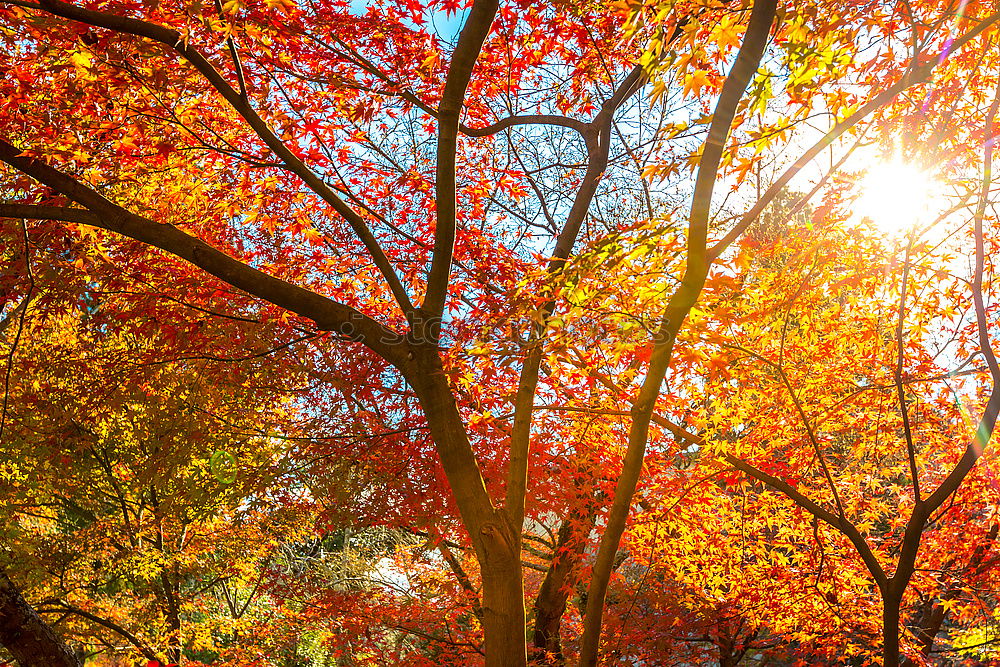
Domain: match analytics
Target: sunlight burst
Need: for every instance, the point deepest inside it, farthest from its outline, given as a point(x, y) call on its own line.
point(897, 195)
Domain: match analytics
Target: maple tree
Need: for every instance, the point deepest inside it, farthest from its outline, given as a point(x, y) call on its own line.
point(771, 561)
point(489, 254)
point(137, 477)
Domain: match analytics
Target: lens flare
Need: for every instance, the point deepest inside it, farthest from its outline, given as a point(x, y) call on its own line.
point(896, 196)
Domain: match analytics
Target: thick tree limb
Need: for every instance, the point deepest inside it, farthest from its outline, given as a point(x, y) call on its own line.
point(329, 315)
point(177, 42)
point(553, 594)
point(839, 522)
point(597, 135)
point(698, 261)
point(470, 43)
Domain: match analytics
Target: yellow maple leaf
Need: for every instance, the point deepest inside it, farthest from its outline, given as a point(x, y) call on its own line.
point(429, 62)
point(82, 61)
point(696, 81)
point(727, 35)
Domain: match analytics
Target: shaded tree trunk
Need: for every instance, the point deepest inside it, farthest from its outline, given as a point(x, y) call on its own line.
point(169, 602)
point(28, 638)
point(733, 647)
point(494, 535)
point(891, 599)
point(930, 625)
point(550, 605)
point(169, 593)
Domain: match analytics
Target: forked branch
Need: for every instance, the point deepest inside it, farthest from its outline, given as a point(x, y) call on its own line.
point(175, 41)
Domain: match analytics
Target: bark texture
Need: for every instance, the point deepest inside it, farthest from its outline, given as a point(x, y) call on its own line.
point(26, 635)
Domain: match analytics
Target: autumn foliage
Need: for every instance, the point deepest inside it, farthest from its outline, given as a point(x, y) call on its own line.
point(503, 333)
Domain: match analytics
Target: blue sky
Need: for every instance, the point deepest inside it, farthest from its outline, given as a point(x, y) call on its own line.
point(447, 27)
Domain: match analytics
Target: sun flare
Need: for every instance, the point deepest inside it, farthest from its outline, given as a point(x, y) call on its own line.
point(897, 195)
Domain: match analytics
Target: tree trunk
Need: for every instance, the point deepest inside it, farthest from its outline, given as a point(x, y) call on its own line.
point(891, 599)
point(550, 605)
point(678, 307)
point(930, 625)
point(169, 591)
point(26, 635)
point(494, 536)
point(930, 617)
point(172, 616)
point(503, 602)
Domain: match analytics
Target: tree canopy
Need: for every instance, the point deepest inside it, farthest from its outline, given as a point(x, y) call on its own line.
point(503, 333)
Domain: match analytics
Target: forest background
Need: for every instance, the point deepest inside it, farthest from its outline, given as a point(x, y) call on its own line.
point(455, 333)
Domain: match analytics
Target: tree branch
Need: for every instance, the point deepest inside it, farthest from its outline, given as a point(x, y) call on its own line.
point(470, 43)
point(987, 422)
point(328, 315)
point(526, 119)
point(911, 453)
point(177, 42)
point(916, 74)
point(840, 523)
point(680, 304)
point(463, 578)
point(60, 607)
point(597, 135)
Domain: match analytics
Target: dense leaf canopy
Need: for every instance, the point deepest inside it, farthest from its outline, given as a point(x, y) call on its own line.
point(505, 333)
